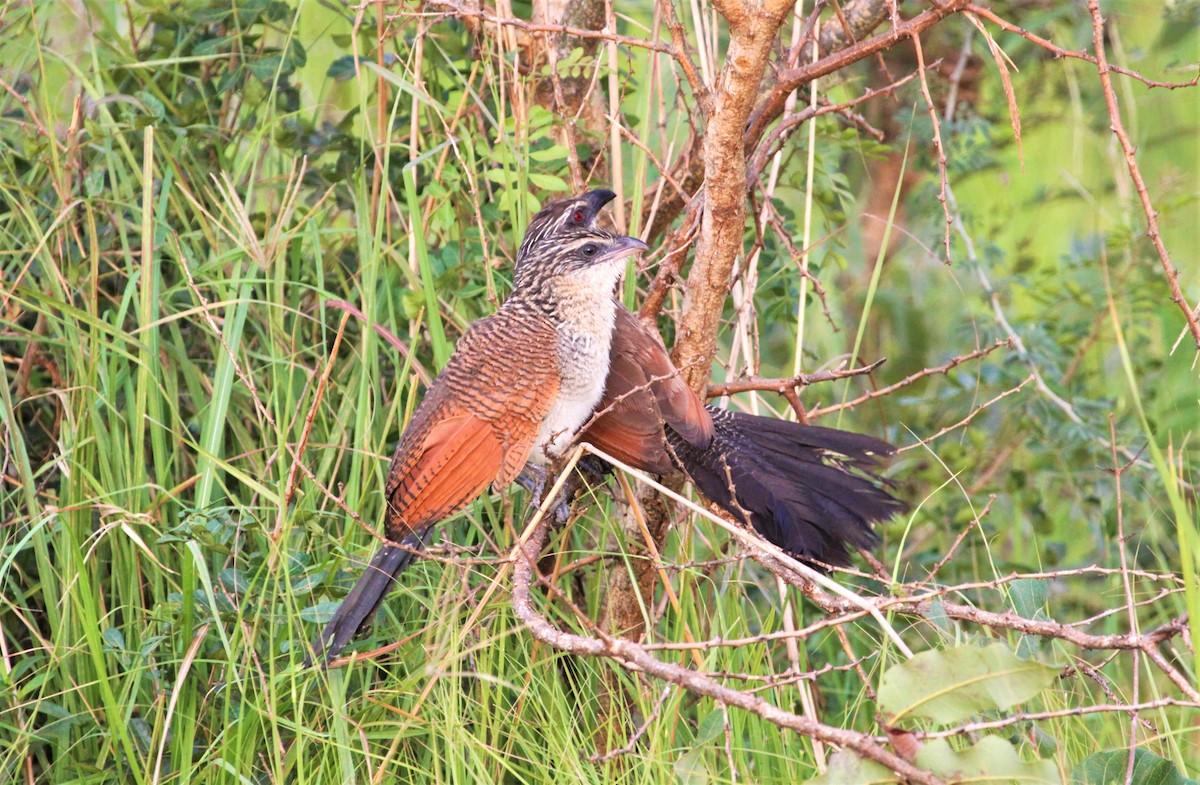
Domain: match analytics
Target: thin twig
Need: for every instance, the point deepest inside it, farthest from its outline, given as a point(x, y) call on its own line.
point(634, 657)
point(783, 385)
point(631, 745)
point(1059, 52)
point(1034, 716)
point(529, 27)
point(970, 416)
point(1118, 129)
point(891, 388)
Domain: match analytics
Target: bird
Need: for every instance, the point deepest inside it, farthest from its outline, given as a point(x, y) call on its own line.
point(563, 360)
point(512, 396)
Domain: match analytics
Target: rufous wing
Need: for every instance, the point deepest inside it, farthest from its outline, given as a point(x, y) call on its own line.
point(445, 471)
point(627, 424)
point(477, 424)
point(643, 393)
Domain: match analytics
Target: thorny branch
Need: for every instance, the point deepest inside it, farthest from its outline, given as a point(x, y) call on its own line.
point(1059, 52)
point(787, 125)
point(1118, 128)
point(944, 368)
point(918, 601)
point(781, 386)
point(635, 657)
point(773, 104)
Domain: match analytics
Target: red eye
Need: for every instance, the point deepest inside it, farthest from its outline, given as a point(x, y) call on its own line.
point(578, 216)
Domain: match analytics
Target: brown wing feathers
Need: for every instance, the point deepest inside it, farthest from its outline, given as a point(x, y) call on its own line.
point(476, 425)
point(459, 457)
point(644, 392)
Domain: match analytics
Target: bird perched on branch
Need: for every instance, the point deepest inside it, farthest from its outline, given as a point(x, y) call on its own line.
point(563, 355)
point(518, 387)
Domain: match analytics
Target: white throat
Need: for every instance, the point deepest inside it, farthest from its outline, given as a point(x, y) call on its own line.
point(586, 312)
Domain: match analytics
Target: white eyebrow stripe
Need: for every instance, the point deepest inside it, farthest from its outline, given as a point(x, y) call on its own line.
point(564, 219)
point(557, 220)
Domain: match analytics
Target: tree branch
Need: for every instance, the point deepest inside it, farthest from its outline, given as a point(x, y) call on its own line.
point(635, 658)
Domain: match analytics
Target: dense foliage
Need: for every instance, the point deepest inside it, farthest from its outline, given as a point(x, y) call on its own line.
point(189, 193)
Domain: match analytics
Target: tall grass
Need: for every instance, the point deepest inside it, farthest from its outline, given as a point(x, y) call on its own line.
point(194, 441)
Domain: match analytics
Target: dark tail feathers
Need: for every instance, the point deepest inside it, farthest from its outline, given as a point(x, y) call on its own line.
point(796, 483)
point(363, 600)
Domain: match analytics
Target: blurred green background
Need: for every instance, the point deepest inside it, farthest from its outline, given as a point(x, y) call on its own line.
point(185, 187)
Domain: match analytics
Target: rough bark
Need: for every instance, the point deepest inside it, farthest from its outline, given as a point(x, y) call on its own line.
point(753, 30)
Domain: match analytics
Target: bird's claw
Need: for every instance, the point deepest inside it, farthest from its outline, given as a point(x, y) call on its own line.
point(533, 479)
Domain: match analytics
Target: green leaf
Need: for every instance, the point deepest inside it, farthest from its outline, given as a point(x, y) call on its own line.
point(690, 769)
point(341, 69)
point(992, 760)
point(93, 183)
point(548, 182)
point(1111, 766)
point(500, 176)
point(711, 728)
point(152, 105)
point(265, 67)
point(552, 153)
point(1028, 596)
point(213, 46)
point(114, 639)
point(846, 768)
point(297, 55)
point(308, 582)
point(233, 580)
point(949, 686)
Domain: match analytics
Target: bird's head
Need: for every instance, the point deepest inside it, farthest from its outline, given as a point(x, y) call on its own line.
point(564, 243)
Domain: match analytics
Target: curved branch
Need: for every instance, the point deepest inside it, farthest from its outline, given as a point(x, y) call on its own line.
point(793, 78)
point(633, 657)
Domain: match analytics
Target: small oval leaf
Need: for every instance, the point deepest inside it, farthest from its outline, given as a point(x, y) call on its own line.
point(951, 685)
point(992, 761)
point(846, 768)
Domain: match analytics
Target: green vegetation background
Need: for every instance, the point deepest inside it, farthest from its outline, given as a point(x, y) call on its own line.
point(183, 188)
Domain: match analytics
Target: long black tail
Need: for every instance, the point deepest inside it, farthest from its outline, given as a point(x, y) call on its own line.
point(363, 600)
point(807, 489)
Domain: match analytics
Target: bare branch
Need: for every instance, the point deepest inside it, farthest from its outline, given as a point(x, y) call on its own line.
point(788, 125)
point(772, 106)
point(971, 415)
point(1118, 128)
point(784, 385)
point(1034, 716)
point(635, 658)
point(1058, 51)
point(921, 374)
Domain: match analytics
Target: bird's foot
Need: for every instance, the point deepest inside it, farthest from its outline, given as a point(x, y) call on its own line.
point(533, 478)
point(593, 470)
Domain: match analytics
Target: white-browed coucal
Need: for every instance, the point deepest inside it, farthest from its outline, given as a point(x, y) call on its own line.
point(562, 354)
point(518, 387)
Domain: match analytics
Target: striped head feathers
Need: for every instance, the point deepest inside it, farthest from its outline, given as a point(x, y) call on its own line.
point(564, 241)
